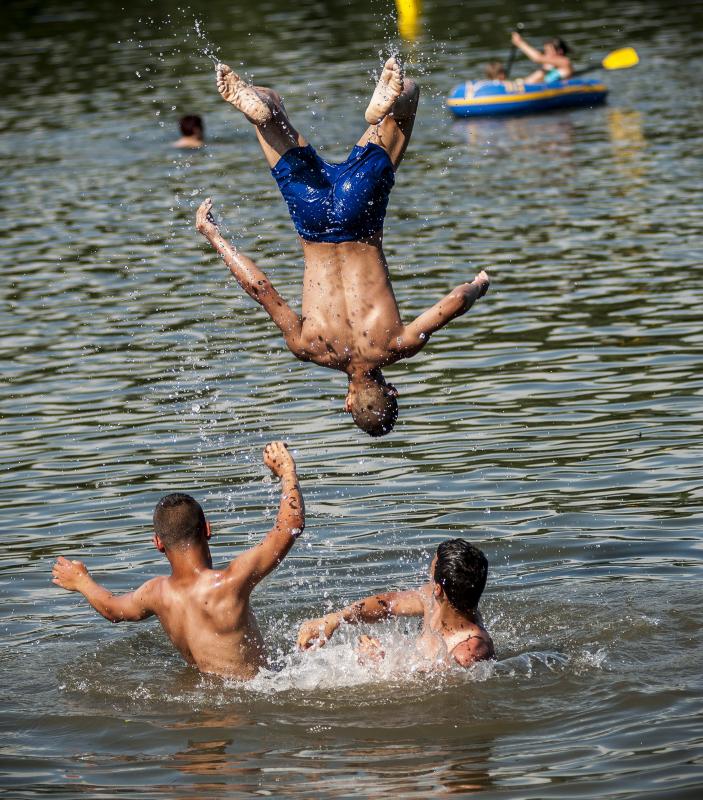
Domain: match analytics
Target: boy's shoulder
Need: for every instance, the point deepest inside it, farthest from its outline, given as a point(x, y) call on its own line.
point(478, 647)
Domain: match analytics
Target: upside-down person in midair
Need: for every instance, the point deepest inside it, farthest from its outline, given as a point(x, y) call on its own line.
point(350, 319)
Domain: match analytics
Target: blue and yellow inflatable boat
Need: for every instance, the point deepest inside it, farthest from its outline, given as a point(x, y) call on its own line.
point(488, 98)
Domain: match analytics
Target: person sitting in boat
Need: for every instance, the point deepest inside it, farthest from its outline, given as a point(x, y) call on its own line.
point(494, 72)
point(554, 63)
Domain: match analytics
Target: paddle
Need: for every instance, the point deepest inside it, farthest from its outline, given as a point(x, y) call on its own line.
point(623, 58)
point(513, 50)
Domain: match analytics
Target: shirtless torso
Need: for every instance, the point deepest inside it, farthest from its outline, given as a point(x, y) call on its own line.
point(206, 614)
point(349, 312)
point(350, 319)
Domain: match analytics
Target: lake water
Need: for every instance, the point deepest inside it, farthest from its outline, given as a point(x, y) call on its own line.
point(558, 424)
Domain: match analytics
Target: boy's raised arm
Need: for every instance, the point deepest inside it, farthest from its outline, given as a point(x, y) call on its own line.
point(253, 280)
point(371, 609)
point(416, 334)
point(131, 607)
point(255, 564)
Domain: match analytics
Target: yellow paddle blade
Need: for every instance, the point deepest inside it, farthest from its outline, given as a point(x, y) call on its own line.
point(621, 59)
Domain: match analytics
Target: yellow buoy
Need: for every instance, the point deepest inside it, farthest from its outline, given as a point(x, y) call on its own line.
point(408, 18)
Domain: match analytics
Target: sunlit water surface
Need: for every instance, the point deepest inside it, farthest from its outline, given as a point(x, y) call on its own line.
point(558, 424)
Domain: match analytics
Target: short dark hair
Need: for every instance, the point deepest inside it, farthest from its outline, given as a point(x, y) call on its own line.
point(461, 570)
point(560, 45)
point(190, 124)
point(374, 409)
point(178, 519)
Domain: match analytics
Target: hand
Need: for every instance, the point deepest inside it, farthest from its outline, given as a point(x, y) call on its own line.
point(369, 650)
point(516, 38)
point(69, 574)
point(278, 459)
point(471, 292)
point(316, 632)
point(204, 221)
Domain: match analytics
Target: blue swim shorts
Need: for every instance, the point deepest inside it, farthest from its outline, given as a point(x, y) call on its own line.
point(336, 202)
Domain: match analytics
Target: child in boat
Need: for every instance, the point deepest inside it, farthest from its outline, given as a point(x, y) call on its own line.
point(192, 132)
point(495, 71)
point(452, 628)
point(204, 611)
point(350, 319)
point(554, 63)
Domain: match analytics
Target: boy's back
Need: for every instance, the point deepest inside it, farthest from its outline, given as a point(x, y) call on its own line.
point(208, 619)
point(204, 611)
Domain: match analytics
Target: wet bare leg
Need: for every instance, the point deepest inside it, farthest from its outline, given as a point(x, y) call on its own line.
point(393, 133)
point(264, 109)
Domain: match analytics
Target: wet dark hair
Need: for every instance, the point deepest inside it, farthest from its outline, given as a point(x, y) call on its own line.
point(178, 519)
point(461, 570)
point(373, 409)
point(190, 124)
point(560, 45)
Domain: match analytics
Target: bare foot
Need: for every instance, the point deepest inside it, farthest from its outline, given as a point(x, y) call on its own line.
point(369, 650)
point(242, 96)
point(481, 282)
point(386, 93)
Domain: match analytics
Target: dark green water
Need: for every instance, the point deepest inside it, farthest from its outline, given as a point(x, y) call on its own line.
point(558, 424)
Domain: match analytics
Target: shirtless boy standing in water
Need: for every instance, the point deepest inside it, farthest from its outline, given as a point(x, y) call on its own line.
point(350, 319)
point(452, 628)
point(204, 611)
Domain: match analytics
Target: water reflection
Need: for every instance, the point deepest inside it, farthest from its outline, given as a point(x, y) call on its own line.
point(629, 146)
point(551, 134)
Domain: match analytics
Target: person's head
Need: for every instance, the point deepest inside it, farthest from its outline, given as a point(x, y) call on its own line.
point(179, 522)
point(372, 404)
point(495, 71)
point(192, 126)
point(459, 571)
point(556, 46)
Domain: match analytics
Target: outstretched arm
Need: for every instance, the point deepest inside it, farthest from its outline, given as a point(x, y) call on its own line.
point(416, 335)
point(132, 607)
point(255, 564)
point(535, 55)
point(531, 52)
point(371, 609)
point(254, 282)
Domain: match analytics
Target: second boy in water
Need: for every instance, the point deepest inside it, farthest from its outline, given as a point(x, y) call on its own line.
point(452, 627)
point(350, 319)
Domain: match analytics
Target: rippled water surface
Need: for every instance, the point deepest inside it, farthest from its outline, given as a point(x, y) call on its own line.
point(558, 424)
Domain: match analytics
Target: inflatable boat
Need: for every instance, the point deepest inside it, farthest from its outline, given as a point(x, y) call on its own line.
point(487, 98)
